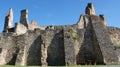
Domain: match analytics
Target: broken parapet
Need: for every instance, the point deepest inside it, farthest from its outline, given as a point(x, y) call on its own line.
point(33, 25)
point(24, 18)
point(34, 22)
point(90, 10)
point(23, 23)
point(102, 19)
point(8, 21)
point(50, 27)
point(20, 29)
point(82, 22)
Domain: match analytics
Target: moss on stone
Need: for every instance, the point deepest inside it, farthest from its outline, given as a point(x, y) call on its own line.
point(117, 46)
point(76, 37)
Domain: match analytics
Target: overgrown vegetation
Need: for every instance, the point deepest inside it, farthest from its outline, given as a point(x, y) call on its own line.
point(117, 46)
point(74, 34)
point(76, 37)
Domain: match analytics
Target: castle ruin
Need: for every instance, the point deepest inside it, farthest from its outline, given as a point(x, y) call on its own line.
point(89, 41)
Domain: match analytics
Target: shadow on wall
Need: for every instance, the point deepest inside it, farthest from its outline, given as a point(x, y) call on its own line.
point(98, 53)
point(87, 53)
point(34, 54)
point(13, 55)
point(55, 52)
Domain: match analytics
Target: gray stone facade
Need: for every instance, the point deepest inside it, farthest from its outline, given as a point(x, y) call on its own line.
point(90, 41)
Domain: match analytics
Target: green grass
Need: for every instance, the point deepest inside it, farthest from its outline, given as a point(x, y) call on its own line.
point(117, 46)
point(76, 37)
point(63, 66)
point(49, 66)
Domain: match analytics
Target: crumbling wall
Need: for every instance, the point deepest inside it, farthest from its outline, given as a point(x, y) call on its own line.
point(8, 49)
point(21, 43)
point(33, 42)
point(20, 29)
point(104, 42)
point(53, 44)
point(69, 44)
point(73, 40)
point(79, 49)
point(114, 33)
point(86, 54)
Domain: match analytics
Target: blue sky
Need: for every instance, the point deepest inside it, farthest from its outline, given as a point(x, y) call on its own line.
point(59, 12)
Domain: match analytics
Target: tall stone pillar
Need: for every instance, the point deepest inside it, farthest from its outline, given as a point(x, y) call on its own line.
point(8, 20)
point(44, 49)
point(102, 19)
point(21, 59)
point(6, 23)
point(44, 55)
point(24, 18)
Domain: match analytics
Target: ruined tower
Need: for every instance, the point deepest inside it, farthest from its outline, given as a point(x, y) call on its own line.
point(8, 21)
point(10, 18)
point(24, 18)
point(102, 18)
point(90, 10)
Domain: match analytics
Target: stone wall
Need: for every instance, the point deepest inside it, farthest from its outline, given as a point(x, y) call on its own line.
point(20, 29)
point(59, 46)
point(105, 43)
point(114, 33)
point(86, 52)
point(53, 40)
point(69, 44)
point(8, 49)
point(89, 41)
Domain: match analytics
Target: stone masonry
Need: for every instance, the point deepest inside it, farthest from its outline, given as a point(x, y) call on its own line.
point(90, 41)
point(8, 21)
point(24, 18)
point(90, 10)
